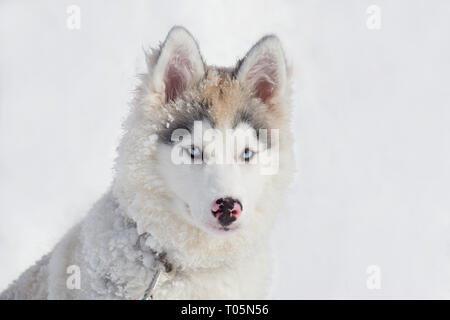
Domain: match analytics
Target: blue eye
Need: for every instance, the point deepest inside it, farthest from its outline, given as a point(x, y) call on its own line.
point(194, 152)
point(247, 154)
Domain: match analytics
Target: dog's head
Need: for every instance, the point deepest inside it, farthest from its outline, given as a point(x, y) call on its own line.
point(216, 133)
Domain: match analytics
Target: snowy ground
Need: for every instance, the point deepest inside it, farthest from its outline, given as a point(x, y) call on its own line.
point(372, 115)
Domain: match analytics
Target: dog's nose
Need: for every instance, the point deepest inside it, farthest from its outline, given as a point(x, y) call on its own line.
point(226, 210)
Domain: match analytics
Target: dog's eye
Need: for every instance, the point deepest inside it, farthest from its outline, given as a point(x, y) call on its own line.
point(247, 154)
point(194, 152)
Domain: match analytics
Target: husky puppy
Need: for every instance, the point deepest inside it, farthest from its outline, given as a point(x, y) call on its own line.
point(181, 210)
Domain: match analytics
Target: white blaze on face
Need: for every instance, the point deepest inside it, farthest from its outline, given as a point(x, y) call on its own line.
point(220, 170)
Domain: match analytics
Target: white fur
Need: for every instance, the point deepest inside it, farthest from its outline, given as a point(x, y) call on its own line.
point(148, 196)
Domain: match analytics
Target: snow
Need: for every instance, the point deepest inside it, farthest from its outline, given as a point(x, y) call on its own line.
point(371, 122)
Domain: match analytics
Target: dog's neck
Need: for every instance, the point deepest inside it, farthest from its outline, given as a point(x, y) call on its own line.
point(160, 258)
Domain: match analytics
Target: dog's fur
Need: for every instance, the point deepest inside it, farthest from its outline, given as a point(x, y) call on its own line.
point(157, 214)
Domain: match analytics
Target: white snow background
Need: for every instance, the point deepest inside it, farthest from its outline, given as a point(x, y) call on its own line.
point(371, 123)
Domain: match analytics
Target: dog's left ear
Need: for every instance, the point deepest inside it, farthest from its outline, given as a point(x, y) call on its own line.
point(263, 70)
point(178, 66)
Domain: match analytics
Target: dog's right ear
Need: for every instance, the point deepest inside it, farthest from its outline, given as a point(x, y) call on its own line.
point(178, 66)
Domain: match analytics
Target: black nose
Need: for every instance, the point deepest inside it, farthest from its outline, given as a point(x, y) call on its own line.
point(226, 210)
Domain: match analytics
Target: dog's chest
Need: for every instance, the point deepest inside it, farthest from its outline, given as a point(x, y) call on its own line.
point(248, 280)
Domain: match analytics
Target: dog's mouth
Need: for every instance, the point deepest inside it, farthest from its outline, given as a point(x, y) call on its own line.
point(222, 229)
point(225, 229)
point(216, 227)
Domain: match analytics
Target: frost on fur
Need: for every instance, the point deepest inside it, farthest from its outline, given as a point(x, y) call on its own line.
point(157, 209)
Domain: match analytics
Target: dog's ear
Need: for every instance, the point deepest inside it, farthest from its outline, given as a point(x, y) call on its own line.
point(263, 70)
point(179, 64)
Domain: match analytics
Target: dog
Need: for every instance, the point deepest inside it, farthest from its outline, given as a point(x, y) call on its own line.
point(185, 217)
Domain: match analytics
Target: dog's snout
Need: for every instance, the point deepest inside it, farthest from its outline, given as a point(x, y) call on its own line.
point(226, 210)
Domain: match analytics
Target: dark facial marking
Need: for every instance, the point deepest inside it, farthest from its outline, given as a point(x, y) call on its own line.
point(254, 120)
point(184, 119)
